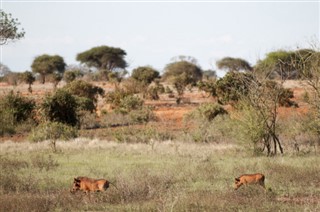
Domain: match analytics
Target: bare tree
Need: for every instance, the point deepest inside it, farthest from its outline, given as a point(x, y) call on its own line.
point(258, 110)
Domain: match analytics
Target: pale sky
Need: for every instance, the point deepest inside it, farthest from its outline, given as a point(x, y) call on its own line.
point(154, 32)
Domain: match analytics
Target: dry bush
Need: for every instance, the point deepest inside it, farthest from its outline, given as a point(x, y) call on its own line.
point(142, 185)
point(42, 201)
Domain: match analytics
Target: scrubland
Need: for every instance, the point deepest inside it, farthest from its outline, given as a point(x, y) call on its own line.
point(155, 176)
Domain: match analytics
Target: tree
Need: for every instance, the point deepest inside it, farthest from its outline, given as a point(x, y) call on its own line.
point(189, 59)
point(233, 64)
point(28, 78)
point(72, 74)
point(56, 77)
point(278, 64)
point(145, 74)
point(259, 116)
point(182, 74)
point(4, 70)
point(47, 64)
point(209, 74)
point(103, 57)
point(9, 28)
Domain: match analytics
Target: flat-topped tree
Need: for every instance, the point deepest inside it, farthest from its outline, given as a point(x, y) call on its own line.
point(182, 74)
point(233, 64)
point(47, 64)
point(103, 58)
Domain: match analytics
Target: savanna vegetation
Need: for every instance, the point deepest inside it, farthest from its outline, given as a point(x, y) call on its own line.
point(169, 140)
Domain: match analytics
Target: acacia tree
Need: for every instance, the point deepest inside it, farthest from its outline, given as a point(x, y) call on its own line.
point(182, 74)
point(47, 64)
point(233, 64)
point(278, 64)
point(104, 58)
point(145, 74)
point(9, 30)
point(4, 70)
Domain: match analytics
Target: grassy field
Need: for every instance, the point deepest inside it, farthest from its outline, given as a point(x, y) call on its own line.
point(162, 176)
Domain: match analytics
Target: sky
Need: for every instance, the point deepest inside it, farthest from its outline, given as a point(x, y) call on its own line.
point(153, 32)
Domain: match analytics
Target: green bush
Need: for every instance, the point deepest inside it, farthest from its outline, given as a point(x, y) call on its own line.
point(71, 75)
point(53, 131)
point(208, 86)
point(84, 89)
point(114, 97)
point(114, 119)
point(233, 86)
point(143, 115)
point(20, 107)
point(14, 111)
point(61, 107)
point(208, 111)
point(129, 103)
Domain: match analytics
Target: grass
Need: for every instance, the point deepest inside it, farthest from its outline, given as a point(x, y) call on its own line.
point(162, 176)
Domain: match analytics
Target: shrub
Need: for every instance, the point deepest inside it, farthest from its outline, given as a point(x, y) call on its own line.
point(208, 111)
point(208, 86)
point(61, 107)
point(132, 86)
point(88, 120)
point(53, 131)
point(114, 97)
point(20, 107)
point(114, 119)
point(143, 115)
point(232, 86)
point(71, 75)
point(129, 103)
point(14, 110)
point(84, 89)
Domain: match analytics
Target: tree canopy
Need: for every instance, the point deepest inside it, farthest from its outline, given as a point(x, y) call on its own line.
point(145, 74)
point(233, 64)
point(47, 64)
point(9, 30)
point(286, 64)
point(182, 74)
point(103, 57)
point(190, 72)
